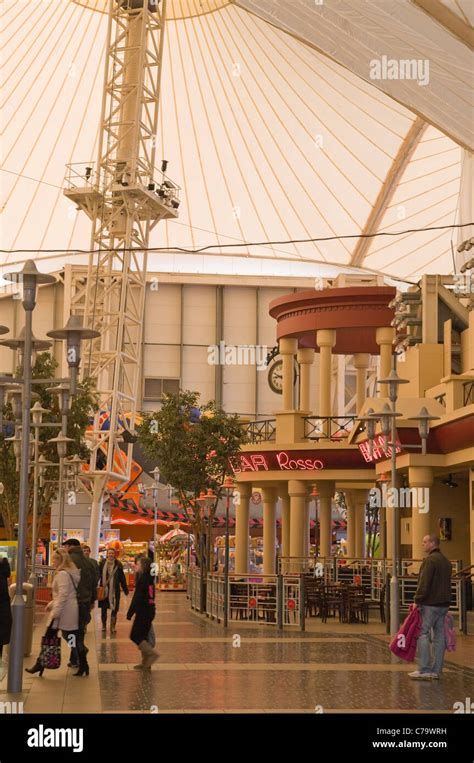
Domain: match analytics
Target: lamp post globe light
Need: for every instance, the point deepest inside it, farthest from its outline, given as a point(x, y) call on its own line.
point(424, 419)
point(74, 333)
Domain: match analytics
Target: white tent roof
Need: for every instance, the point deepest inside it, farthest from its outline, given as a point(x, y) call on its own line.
point(356, 32)
point(270, 139)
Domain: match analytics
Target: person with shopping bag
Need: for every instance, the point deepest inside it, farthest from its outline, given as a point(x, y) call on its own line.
point(86, 593)
point(143, 607)
point(404, 643)
point(432, 597)
point(64, 616)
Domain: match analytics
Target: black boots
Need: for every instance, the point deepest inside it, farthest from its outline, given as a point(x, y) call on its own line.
point(83, 666)
point(36, 668)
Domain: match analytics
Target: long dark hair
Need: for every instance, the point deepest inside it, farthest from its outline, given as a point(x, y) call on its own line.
point(145, 565)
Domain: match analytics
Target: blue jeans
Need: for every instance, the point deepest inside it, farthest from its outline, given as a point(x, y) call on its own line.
point(432, 633)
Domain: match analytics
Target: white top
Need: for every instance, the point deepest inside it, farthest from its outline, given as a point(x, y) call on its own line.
point(64, 609)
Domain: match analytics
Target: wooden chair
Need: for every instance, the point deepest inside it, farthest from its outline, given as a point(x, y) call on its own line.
point(354, 605)
point(377, 604)
point(331, 602)
point(313, 596)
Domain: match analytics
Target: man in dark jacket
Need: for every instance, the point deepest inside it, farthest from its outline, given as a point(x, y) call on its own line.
point(87, 553)
point(433, 597)
point(86, 590)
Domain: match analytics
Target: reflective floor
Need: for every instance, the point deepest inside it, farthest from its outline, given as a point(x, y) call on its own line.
point(329, 668)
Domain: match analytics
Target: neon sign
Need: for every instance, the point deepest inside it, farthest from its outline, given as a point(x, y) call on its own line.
point(379, 451)
point(281, 460)
point(285, 462)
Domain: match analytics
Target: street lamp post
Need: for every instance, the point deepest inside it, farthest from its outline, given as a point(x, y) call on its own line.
point(30, 278)
point(27, 345)
point(37, 416)
point(388, 423)
point(205, 500)
point(315, 495)
point(227, 490)
point(73, 334)
point(61, 442)
point(201, 500)
point(154, 493)
point(156, 477)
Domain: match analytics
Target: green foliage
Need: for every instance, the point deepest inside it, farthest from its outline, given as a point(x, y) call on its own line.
point(193, 458)
point(83, 406)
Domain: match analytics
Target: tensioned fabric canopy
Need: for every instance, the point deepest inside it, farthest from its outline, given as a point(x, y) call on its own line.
point(270, 138)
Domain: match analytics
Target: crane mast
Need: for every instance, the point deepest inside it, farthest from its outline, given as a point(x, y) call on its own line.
point(125, 197)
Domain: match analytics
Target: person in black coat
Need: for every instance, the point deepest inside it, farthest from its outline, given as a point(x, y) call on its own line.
point(112, 579)
point(86, 550)
point(143, 607)
point(5, 609)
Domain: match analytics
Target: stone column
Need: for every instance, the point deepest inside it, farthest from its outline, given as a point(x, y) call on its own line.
point(325, 339)
point(305, 358)
point(297, 490)
point(269, 530)
point(421, 479)
point(285, 527)
point(326, 492)
point(361, 364)
point(384, 338)
point(242, 529)
point(288, 348)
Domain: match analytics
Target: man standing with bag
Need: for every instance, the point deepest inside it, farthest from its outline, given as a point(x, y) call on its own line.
point(86, 591)
point(433, 597)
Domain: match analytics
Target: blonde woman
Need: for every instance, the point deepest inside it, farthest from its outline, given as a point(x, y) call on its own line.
point(64, 608)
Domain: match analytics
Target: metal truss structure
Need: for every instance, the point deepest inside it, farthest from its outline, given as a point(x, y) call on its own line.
point(125, 198)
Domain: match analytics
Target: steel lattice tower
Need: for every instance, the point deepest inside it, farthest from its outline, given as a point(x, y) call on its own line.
point(125, 197)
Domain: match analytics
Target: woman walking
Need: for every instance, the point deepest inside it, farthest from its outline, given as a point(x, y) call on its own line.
point(5, 610)
point(143, 607)
point(64, 609)
point(111, 579)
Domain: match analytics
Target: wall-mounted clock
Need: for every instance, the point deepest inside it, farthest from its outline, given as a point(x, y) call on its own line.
point(275, 377)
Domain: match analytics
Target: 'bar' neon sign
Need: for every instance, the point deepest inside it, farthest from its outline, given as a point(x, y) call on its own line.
point(379, 451)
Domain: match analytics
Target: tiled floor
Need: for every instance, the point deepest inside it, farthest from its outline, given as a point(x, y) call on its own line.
point(329, 668)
